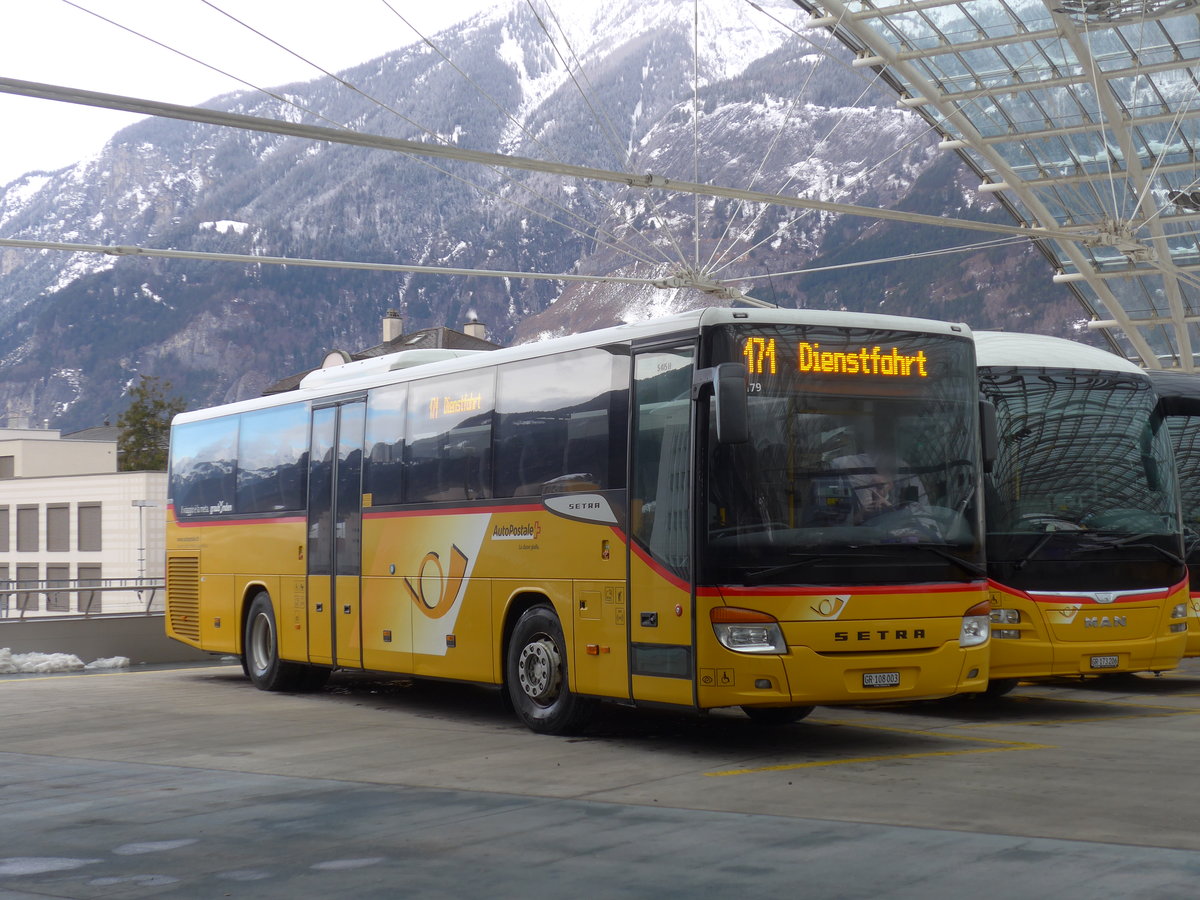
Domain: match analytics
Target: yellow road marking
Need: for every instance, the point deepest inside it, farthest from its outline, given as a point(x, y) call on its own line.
point(1155, 709)
point(1001, 747)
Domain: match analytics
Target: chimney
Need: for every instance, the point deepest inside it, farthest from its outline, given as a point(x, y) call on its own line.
point(476, 329)
point(393, 326)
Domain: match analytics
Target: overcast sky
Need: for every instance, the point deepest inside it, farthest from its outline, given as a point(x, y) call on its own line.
point(57, 42)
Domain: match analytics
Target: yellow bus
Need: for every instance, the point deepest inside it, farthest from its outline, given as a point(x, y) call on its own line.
point(1084, 545)
point(680, 512)
point(1179, 402)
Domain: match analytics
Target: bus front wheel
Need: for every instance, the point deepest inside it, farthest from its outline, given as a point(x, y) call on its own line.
point(776, 715)
point(536, 675)
point(260, 654)
point(999, 687)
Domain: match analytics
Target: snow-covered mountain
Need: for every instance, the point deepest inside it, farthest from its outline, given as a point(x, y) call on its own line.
point(620, 86)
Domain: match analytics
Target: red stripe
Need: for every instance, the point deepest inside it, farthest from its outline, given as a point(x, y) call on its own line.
point(454, 511)
point(1139, 597)
point(209, 523)
point(666, 575)
point(795, 591)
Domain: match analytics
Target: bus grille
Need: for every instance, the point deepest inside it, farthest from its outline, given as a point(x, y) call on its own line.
point(183, 596)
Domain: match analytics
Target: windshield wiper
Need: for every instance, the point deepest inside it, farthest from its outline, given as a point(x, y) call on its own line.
point(967, 565)
point(763, 576)
point(1132, 541)
point(1034, 550)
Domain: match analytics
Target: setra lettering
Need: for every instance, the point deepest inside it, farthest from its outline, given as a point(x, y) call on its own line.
point(900, 634)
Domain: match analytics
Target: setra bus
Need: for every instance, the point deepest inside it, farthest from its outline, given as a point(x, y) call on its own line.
point(1084, 544)
point(1179, 402)
point(723, 508)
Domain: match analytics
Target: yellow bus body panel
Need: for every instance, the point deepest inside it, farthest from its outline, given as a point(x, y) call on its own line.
point(438, 587)
point(223, 565)
point(1059, 637)
point(1193, 629)
point(836, 638)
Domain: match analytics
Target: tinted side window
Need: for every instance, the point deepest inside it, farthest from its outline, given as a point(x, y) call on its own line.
point(448, 453)
point(383, 475)
point(560, 416)
point(662, 427)
point(272, 459)
point(203, 464)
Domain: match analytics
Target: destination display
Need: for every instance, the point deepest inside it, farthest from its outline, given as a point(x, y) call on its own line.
point(766, 355)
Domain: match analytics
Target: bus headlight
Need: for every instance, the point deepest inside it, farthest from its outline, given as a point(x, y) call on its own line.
point(1179, 611)
point(1006, 616)
point(747, 630)
point(976, 625)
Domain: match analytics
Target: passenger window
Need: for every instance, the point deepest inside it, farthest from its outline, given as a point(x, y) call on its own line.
point(551, 427)
point(384, 464)
point(448, 453)
point(273, 459)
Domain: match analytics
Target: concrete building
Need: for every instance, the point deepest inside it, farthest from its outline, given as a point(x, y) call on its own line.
point(67, 515)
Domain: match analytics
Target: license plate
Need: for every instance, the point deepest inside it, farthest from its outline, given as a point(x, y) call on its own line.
point(1105, 662)
point(883, 679)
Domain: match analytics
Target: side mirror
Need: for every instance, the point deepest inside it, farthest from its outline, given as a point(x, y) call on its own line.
point(730, 410)
point(989, 433)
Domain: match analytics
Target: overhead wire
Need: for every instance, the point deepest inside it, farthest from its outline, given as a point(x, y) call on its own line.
point(906, 257)
point(138, 34)
point(423, 129)
point(167, 253)
point(395, 267)
point(474, 185)
point(716, 253)
point(607, 127)
point(721, 264)
point(696, 127)
point(617, 240)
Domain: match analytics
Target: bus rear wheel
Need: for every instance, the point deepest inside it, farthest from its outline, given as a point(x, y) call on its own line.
point(260, 654)
point(536, 675)
point(776, 715)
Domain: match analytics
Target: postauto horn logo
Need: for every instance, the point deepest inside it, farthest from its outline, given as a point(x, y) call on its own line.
point(436, 587)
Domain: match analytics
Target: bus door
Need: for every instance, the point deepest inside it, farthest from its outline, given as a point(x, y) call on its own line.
point(660, 599)
point(335, 534)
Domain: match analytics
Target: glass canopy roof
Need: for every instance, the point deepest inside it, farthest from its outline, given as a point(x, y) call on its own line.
point(1083, 118)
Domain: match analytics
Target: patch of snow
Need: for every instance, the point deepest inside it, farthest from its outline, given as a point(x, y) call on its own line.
point(13, 663)
point(224, 226)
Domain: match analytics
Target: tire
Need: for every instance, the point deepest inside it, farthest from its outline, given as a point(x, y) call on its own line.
point(536, 676)
point(999, 687)
point(776, 715)
point(260, 654)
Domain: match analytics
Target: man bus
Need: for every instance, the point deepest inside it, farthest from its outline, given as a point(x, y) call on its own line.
point(653, 514)
point(1179, 403)
point(1084, 545)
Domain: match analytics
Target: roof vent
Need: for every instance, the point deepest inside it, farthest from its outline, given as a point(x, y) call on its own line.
point(378, 365)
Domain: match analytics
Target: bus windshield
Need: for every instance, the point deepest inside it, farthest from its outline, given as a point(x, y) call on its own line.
point(862, 463)
point(1185, 435)
point(1084, 473)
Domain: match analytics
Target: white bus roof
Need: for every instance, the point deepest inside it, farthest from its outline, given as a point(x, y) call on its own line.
point(396, 367)
point(1040, 351)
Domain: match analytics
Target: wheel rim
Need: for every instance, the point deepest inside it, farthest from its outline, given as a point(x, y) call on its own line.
point(539, 670)
point(262, 643)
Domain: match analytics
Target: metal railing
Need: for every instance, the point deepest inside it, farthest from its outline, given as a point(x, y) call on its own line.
point(59, 597)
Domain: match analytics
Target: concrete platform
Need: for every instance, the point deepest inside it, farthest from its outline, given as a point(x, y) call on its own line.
point(188, 782)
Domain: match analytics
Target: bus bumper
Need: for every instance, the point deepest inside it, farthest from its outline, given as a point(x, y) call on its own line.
point(804, 677)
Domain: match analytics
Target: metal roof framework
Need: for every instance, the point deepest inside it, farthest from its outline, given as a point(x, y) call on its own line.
point(1081, 116)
